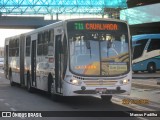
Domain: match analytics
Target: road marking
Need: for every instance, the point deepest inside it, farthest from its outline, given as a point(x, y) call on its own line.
point(13, 109)
point(1, 100)
point(16, 110)
point(6, 104)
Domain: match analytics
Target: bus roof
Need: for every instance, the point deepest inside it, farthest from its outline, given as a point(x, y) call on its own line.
point(75, 19)
point(145, 36)
point(61, 22)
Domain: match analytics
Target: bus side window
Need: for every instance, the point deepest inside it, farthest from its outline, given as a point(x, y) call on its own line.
point(45, 43)
point(17, 47)
point(14, 47)
point(154, 45)
point(28, 42)
point(40, 44)
point(51, 43)
point(10, 47)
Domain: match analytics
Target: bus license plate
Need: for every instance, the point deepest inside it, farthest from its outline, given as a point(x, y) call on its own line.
point(101, 89)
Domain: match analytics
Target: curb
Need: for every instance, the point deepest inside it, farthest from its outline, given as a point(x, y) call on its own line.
point(145, 77)
point(145, 85)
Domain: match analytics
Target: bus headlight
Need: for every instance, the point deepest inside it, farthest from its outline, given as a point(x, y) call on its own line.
point(125, 81)
point(76, 82)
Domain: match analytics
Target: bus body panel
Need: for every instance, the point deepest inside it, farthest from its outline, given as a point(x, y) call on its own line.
point(142, 65)
point(14, 58)
point(111, 86)
point(21, 54)
point(148, 56)
point(6, 55)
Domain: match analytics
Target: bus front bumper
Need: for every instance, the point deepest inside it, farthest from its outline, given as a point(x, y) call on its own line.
point(96, 90)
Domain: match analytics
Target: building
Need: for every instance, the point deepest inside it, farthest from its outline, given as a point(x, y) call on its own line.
point(143, 16)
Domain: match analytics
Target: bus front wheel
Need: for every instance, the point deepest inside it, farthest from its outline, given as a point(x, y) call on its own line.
point(151, 68)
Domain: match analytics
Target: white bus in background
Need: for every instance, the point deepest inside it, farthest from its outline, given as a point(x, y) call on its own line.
point(78, 57)
point(146, 52)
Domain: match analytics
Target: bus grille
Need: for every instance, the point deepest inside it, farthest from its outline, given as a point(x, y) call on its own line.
point(94, 92)
point(100, 83)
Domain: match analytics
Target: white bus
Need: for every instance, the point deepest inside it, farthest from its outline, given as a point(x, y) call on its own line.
point(77, 57)
point(146, 52)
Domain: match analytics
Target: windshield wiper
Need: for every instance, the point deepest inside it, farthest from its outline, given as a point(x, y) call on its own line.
point(89, 47)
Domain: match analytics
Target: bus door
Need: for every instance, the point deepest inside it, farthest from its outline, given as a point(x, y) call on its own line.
point(58, 63)
point(22, 39)
point(6, 61)
point(33, 63)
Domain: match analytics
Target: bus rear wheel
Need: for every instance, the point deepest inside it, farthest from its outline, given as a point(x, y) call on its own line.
point(106, 98)
point(151, 68)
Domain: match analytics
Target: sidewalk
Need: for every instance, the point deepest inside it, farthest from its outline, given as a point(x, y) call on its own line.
point(146, 75)
point(151, 83)
point(145, 79)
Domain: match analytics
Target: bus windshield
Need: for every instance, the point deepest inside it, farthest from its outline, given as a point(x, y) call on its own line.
point(99, 52)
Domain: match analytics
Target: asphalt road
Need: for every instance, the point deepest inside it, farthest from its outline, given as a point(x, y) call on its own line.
point(146, 75)
point(18, 99)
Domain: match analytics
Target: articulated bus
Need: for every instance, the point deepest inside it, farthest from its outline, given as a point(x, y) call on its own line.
point(146, 52)
point(76, 57)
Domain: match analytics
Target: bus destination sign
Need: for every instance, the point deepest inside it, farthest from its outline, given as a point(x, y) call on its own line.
point(95, 26)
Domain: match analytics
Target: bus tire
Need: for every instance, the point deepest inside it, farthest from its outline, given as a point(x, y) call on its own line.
point(51, 88)
point(29, 88)
point(107, 98)
point(11, 78)
point(151, 68)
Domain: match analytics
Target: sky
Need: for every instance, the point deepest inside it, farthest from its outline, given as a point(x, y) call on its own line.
point(4, 33)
